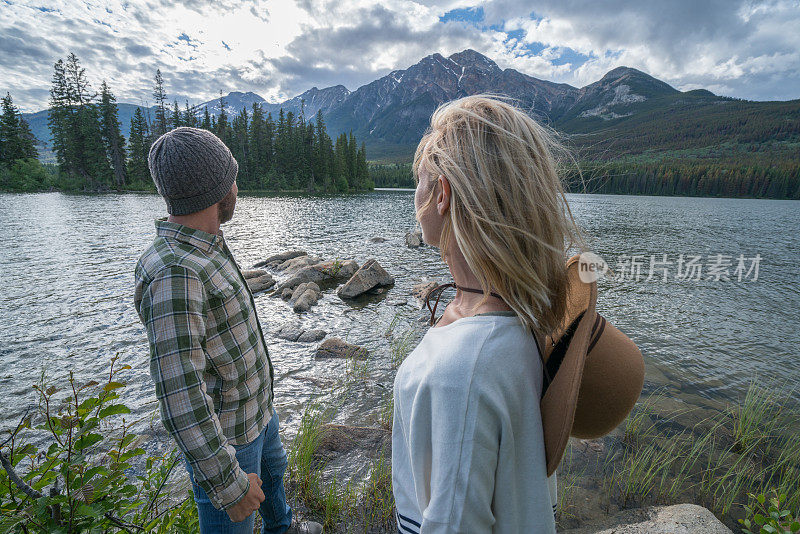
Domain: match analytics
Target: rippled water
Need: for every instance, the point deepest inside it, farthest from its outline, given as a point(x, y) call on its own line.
point(67, 280)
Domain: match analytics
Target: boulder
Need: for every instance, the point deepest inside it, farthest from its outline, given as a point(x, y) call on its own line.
point(289, 331)
point(363, 442)
point(275, 259)
point(377, 239)
point(260, 282)
point(312, 335)
point(319, 273)
point(676, 519)
point(336, 348)
point(305, 296)
point(413, 239)
point(253, 273)
point(294, 331)
point(295, 264)
point(286, 294)
point(421, 290)
point(369, 276)
point(338, 270)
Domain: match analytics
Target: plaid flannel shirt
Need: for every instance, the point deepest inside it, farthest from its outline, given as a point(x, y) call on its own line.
point(208, 357)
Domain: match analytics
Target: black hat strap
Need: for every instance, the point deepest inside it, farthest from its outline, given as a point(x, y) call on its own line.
point(440, 288)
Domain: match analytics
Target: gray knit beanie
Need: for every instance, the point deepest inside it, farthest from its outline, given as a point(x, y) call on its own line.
point(192, 169)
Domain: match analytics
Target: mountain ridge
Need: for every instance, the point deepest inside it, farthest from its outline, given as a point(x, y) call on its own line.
point(391, 112)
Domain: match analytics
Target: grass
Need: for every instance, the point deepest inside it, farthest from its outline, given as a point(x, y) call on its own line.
point(755, 420)
point(655, 458)
point(369, 505)
point(401, 346)
point(750, 447)
point(378, 501)
point(567, 483)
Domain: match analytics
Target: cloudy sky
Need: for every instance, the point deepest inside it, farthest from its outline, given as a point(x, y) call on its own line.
point(278, 49)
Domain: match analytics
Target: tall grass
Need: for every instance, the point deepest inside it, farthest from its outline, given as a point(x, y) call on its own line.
point(752, 447)
point(401, 346)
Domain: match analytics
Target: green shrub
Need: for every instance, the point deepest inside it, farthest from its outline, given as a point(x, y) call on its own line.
point(769, 517)
point(79, 481)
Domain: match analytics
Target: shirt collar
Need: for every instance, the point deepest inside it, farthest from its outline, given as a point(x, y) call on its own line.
point(198, 238)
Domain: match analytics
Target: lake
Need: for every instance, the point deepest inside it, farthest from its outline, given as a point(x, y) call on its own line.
point(67, 269)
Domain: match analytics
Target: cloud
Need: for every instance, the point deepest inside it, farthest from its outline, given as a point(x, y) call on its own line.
point(748, 49)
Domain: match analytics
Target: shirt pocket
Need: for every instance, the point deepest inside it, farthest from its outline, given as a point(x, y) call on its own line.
point(228, 331)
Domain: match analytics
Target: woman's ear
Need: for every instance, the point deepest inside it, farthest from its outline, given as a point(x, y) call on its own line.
point(443, 197)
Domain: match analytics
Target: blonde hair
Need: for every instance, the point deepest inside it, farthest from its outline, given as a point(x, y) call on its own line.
point(508, 212)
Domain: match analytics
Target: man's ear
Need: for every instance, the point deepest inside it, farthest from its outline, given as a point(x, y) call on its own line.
point(443, 197)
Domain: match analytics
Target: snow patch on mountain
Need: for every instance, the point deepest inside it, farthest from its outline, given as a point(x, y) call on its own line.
point(622, 95)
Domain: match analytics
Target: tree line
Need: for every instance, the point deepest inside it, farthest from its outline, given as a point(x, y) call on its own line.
point(288, 152)
point(725, 177)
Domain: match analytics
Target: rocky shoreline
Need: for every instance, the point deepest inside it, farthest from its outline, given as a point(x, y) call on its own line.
point(302, 279)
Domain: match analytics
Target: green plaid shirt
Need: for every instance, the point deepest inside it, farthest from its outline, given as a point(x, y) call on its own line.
point(208, 358)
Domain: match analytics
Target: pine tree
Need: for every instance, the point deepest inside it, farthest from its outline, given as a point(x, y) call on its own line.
point(189, 118)
point(59, 118)
point(222, 122)
point(113, 139)
point(16, 141)
point(206, 124)
point(240, 146)
point(176, 116)
point(85, 149)
point(138, 148)
point(362, 170)
point(340, 164)
point(160, 96)
point(323, 152)
point(352, 159)
point(257, 140)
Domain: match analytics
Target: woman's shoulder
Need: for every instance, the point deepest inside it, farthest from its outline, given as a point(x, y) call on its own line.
point(492, 345)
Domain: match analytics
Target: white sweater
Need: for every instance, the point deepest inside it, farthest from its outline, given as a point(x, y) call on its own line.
point(467, 445)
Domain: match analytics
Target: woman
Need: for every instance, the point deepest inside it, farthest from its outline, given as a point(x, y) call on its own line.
point(467, 447)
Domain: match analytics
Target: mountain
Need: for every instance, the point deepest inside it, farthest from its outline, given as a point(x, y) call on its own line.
point(234, 103)
point(311, 101)
point(625, 112)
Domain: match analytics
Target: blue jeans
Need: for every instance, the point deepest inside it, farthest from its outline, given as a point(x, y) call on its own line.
point(265, 457)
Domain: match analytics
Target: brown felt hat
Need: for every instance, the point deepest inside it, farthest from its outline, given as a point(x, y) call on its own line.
point(593, 372)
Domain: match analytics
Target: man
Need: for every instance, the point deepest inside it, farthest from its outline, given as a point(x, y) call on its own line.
point(208, 357)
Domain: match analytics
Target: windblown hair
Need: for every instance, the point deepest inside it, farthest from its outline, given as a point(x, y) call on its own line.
point(508, 212)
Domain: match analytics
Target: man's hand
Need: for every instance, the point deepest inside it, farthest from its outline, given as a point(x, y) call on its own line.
point(249, 503)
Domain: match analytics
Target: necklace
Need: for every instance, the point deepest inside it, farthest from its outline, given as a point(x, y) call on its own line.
point(440, 288)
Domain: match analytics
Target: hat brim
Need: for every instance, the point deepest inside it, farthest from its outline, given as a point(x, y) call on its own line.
point(599, 378)
point(560, 400)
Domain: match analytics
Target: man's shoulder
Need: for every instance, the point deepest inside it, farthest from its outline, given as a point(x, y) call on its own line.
point(169, 254)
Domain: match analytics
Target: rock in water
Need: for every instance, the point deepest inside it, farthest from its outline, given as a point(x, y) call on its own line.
point(305, 296)
point(363, 442)
point(295, 264)
point(260, 282)
point(421, 291)
point(370, 275)
point(414, 239)
point(289, 331)
point(275, 259)
point(253, 273)
point(294, 331)
point(320, 273)
point(336, 348)
point(312, 335)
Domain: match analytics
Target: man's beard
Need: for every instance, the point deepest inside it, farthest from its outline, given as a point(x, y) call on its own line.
point(226, 207)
